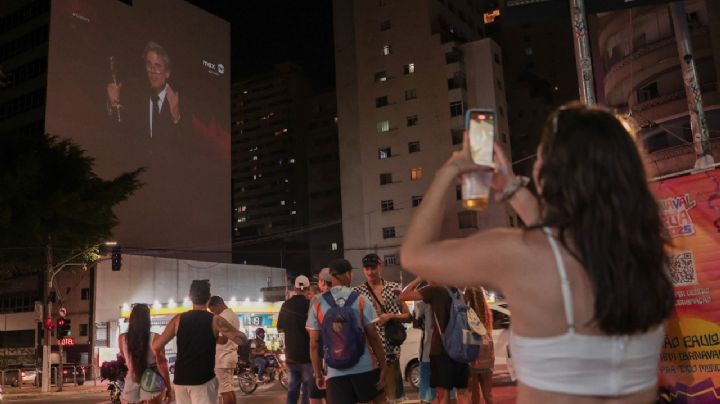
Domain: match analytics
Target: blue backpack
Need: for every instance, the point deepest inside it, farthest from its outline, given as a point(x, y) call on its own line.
point(461, 343)
point(342, 337)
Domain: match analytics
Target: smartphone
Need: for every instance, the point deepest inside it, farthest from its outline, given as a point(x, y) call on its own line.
point(480, 124)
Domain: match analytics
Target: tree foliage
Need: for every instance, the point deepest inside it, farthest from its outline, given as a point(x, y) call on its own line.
point(50, 194)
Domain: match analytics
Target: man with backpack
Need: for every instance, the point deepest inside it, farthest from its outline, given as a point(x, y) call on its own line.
point(346, 321)
point(392, 313)
point(453, 344)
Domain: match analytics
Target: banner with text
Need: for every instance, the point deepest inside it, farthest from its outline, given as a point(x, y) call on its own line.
point(690, 359)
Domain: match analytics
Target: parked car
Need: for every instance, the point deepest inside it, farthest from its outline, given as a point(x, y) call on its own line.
point(26, 374)
point(503, 372)
point(71, 373)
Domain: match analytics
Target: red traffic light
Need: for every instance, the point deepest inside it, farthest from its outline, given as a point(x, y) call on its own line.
point(49, 323)
point(60, 323)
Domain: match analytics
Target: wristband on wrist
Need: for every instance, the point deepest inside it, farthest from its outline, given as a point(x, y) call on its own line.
point(512, 187)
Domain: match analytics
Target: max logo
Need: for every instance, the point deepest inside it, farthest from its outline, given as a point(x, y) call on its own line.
point(214, 68)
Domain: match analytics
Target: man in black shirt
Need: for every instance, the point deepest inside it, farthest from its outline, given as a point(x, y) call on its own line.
point(291, 322)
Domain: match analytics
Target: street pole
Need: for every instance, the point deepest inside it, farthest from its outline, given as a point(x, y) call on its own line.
point(698, 125)
point(61, 373)
point(583, 58)
point(47, 310)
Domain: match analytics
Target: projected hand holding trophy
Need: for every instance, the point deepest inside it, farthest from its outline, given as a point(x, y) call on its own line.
point(113, 90)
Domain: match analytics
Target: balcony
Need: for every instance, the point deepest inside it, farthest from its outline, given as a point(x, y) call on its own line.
point(677, 159)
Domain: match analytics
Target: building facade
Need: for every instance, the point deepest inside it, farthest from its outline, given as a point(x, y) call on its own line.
point(285, 181)
point(406, 73)
point(638, 71)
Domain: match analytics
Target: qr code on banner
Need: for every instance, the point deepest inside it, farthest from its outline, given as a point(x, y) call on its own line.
point(682, 269)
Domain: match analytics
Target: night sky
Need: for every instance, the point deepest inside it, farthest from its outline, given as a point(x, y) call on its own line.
point(274, 31)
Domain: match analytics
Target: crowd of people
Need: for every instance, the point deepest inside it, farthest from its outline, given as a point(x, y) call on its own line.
point(586, 279)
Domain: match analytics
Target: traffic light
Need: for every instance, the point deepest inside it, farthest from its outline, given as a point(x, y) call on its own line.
point(63, 327)
point(116, 258)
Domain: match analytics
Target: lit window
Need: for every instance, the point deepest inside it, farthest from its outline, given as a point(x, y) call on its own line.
point(242, 208)
point(388, 232)
point(292, 161)
point(254, 158)
point(282, 203)
point(413, 147)
point(334, 246)
point(386, 205)
point(383, 126)
point(381, 101)
point(293, 212)
point(410, 94)
point(391, 259)
point(412, 120)
point(416, 199)
point(242, 219)
point(384, 153)
point(456, 108)
point(386, 178)
point(416, 174)
point(387, 50)
point(255, 176)
point(409, 68)
point(380, 76)
point(467, 219)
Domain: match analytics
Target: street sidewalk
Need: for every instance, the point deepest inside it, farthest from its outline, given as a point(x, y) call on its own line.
point(17, 393)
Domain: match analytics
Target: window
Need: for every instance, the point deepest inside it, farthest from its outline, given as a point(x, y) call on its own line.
point(386, 178)
point(413, 147)
point(84, 330)
point(334, 246)
point(452, 57)
point(387, 50)
point(693, 20)
point(384, 153)
point(415, 174)
point(380, 76)
point(499, 84)
point(410, 94)
point(388, 232)
point(497, 58)
point(467, 220)
point(416, 199)
point(457, 136)
point(647, 92)
point(391, 259)
point(386, 205)
point(383, 126)
point(409, 68)
point(385, 25)
point(456, 108)
point(501, 111)
point(381, 101)
point(458, 192)
point(85, 294)
point(412, 120)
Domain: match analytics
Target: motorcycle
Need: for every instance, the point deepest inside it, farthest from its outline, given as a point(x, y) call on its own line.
point(114, 372)
point(275, 370)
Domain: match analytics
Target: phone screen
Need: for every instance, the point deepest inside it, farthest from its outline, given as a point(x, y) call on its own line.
point(481, 133)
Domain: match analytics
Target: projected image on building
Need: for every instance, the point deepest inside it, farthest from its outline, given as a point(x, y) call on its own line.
point(148, 85)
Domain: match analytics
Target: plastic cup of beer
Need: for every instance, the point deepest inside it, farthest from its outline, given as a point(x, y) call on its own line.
point(476, 189)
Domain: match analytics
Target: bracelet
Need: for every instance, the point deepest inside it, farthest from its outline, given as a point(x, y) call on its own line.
point(512, 187)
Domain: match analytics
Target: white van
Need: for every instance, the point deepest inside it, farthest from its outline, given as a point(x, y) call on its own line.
point(503, 372)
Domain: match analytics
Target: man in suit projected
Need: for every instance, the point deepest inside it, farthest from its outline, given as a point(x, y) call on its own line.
point(155, 111)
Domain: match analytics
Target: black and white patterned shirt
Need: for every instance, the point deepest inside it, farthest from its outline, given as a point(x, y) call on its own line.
point(392, 305)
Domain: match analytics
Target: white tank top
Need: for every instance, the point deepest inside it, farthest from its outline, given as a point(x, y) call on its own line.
point(571, 363)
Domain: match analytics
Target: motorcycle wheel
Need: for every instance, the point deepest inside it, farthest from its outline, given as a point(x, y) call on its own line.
point(284, 378)
point(248, 382)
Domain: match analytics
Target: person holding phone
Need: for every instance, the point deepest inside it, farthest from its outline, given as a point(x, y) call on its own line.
point(587, 279)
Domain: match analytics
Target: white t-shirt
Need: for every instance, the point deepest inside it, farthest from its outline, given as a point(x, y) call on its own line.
point(226, 355)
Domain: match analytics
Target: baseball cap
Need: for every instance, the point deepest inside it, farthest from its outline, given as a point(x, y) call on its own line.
point(339, 266)
point(371, 260)
point(301, 282)
point(324, 274)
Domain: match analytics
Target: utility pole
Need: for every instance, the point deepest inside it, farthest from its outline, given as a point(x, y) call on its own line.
point(701, 138)
point(47, 310)
point(583, 58)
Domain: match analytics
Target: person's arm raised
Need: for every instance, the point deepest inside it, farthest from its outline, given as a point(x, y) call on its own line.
point(478, 259)
point(523, 202)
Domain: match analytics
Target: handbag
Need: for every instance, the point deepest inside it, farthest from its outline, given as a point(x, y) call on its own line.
point(395, 332)
point(152, 381)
